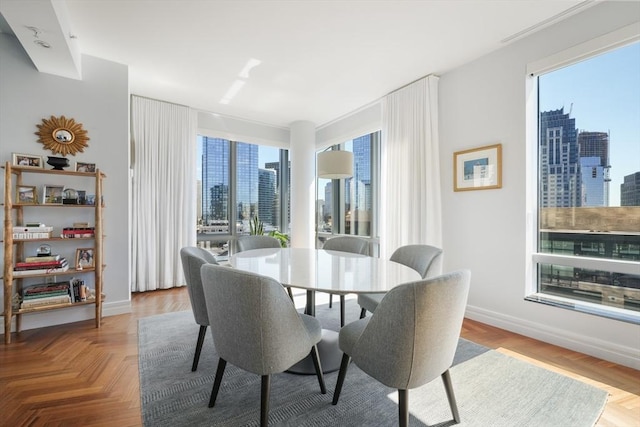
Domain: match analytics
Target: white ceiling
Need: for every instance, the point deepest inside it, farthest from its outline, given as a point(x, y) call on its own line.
point(319, 60)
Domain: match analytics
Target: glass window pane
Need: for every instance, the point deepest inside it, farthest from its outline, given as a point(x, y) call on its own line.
point(348, 208)
point(589, 176)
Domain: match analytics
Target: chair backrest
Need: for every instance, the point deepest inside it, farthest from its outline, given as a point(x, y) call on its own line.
point(412, 336)
point(350, 244)
point(246, 243)
point(425, 259)
point(192, 259)
point(253, 322)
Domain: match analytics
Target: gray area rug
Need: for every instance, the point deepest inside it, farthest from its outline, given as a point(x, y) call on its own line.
point(492, 389)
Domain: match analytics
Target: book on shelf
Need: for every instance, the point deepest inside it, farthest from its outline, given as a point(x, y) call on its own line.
point(44, 258)
point(30, 266)
point(27, 232)
point(40, 302)
point(40, 271)
point(45, 295)
point(71, 233)
point(41, 288)
point(32, 229)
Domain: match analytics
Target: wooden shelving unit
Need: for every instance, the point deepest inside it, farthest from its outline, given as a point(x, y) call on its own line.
point(14, 248)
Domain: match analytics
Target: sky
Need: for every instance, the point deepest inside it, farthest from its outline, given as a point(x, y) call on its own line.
point(603, 95)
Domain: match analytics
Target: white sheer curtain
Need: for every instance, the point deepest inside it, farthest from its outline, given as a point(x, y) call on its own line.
point(410, 187)
point(164, 192)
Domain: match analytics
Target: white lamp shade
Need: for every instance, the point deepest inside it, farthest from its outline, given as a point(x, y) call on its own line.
point(335, 164)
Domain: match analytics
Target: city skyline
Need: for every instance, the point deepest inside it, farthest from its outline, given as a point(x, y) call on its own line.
point(602, 94)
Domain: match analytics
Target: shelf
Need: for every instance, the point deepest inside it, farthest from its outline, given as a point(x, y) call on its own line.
point(52, 239)
point(51, 205)
point(70, 271)
point(22, 169)
point(54, 306)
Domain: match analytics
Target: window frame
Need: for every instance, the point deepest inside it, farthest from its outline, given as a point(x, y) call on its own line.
point(338, 225)
point(284, 181)
point(597, 46)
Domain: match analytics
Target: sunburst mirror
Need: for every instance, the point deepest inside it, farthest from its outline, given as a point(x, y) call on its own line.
point(62, 136)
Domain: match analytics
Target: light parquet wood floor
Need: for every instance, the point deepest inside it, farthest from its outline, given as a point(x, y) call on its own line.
point(76, 375)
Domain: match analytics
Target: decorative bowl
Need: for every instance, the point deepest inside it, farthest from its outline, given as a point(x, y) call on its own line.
point(58, 163)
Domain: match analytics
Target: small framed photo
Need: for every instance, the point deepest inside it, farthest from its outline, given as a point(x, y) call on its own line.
point(26, 195)
point(84, 258)
point(85, 167)
point(28, 161)
point(52, 194)
point(478, 168)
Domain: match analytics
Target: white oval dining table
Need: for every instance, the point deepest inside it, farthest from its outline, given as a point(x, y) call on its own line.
point(318, 270)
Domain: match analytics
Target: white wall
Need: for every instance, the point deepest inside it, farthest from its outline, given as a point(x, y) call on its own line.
point(483, 103)
point(99, 101)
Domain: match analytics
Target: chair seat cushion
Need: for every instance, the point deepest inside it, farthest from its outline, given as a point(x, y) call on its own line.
point(349, 334)
point(370, 301)
point(313, 326)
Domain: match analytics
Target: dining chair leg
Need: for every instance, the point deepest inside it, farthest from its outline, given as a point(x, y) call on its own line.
point(264, 401)
point(363, 313)
point(290, 293)
point(330, 300)
point(216, 383)
point(448, 386)
point(403, 407)
point(196, 357)
point(344, 364)
point(318, 366)
point(342, 314)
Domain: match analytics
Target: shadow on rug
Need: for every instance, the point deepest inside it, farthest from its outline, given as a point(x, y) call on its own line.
point(492, 389)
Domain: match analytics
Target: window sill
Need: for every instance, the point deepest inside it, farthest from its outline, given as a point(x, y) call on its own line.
point(585, 307)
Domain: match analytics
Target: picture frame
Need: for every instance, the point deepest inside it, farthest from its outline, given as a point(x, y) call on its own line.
point(478, 168)
point(52, 194)
point(26, 195)
point(28, 161)
point(84, 258)
point(85, 167)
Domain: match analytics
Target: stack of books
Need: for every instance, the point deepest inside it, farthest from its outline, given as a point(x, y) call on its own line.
point(46, 294)
point(78, 232)
point(32, 231)
point(41, 265)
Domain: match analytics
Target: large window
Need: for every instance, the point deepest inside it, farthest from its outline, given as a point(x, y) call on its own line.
point(348, 206)
point(588, 150)
point(238, 183)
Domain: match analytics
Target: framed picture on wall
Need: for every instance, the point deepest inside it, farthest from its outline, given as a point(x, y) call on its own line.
point(478, 168)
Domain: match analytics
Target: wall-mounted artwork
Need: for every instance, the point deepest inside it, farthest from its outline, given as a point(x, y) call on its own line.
point(478, 168)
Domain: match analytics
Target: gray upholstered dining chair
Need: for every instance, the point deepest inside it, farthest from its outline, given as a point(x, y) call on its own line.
point(246, 243)
point(425, 259)
point(410, 339)
point(256, 328)
point(350, 244)
point(192, 259)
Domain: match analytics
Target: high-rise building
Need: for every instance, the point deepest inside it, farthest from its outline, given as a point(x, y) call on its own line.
point(358, 194)
point(630, 190)
point(246, 180)
point(592, 182)
point(267, 205)
point(215, 179)
point(559, 160)
point(595, 179)
point(276, 167)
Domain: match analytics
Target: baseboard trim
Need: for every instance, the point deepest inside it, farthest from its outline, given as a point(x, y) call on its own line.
point(622, 355)
point(116, 308)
